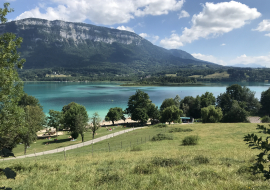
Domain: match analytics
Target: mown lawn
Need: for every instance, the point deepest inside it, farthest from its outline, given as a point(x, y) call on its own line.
point(219, 161)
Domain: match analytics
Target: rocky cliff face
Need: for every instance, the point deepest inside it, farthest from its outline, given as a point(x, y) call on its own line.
point(64, 31)
point(48, 44)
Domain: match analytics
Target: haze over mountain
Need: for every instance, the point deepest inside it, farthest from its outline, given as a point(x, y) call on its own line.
point(48, 44)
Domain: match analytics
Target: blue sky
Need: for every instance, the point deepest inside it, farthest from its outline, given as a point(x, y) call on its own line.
point(223, 32)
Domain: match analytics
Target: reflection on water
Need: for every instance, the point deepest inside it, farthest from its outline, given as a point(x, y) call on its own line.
point(100, 97)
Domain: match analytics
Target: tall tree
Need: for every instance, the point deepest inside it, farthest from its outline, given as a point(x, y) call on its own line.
point(95, 121)
point(80, 125)
point(71, 113)
point(138, 106)
point(177, 100)
point(167, 103)
point(11, 88)
point(211, 114)
point(171, 114)
point(55, 119)
point(114, 114)
point(265, 102)
point(34, 117)
point(207, 99)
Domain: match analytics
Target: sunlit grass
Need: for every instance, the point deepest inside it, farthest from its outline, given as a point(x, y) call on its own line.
point(219, 161)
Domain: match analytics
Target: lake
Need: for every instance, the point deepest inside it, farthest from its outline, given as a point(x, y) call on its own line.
point(100, 97)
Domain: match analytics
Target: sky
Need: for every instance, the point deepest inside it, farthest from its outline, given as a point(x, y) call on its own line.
point(222, 32)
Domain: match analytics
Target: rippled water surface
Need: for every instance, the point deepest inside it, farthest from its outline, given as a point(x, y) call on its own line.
point(100, 97)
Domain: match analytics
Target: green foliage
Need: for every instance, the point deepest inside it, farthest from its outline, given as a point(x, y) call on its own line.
point(201, 159)
point(54, 119)
point(167, 103)
point(211, 114)
point(191, 106)
point(74, 134)
point(190, 140)
point(165, 162)
point(235, 114)
point(95, 123)
point(256, 142)
point(160, 137)
point(139, 106)
point(160, 125)
point(207, 99)
point(238, 100)
point(114, 114)
point(145, 169)
point(136, 148)
point(265, 102)
point(171, 114)
point(265, 119)
point(179, 130)
point(27, 100)
point(153, 112)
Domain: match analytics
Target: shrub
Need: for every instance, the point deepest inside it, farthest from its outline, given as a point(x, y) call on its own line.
point(180, 130)
point(136, 148)
point(266, 119)
point(160, 137)
point(165, 162)
point(160, 125)
point(190, 140)
point(201, 159)
point(144, 169)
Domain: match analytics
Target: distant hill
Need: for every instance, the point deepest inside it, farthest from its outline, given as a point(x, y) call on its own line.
point(50, 44)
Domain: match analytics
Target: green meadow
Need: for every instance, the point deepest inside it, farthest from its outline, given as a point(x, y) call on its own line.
point(220, 160)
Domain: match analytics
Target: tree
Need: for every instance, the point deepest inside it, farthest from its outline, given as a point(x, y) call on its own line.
point(238, 98)
point(153, 112)
point(114, 114)
point(207, 99)
point(171, 114)
point(177, 100)
point(138, 106)
point(80, 125)
point(71, 113)
point(27, 100)
point(235, 114)
point(34, 117)
point(265, 102)
point(11, 88)
point(167, 103)
point(211, 114)
point(55, 119)
point(95, 120)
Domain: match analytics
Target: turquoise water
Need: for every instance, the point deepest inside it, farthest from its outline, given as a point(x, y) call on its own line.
point(100, 97)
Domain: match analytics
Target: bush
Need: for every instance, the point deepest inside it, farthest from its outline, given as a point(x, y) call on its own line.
point(190, 140)
point(160, 137)
point(165, 162)
point(160, 125)
point(266, 119)
point(180, 130)
point(144, 169)
point(201, 159)
point(74, 134)
point(136, 148)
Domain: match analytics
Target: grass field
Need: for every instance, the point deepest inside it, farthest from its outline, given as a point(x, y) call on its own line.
point(215, 75)
point(219, 161)
point(61, 76)
point(62, 141)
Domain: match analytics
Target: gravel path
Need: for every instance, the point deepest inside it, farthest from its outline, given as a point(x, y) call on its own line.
point(86, 143)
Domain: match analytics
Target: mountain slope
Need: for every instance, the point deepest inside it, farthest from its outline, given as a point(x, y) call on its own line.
point(49, 44)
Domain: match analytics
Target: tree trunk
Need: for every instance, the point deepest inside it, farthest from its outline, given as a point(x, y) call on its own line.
point(169, 123)
point(113, 122)
point(82, 137)
point(93, 134)
point(25, 147)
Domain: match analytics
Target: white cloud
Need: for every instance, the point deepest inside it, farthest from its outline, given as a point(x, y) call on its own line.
point(223, 44)
point(183, 14)
point(263, 26)
point(107, 12)
point(209, 58)
point(143, 35)
point(214, 20)
point(125, 28)
point(267, 34)
point(151, 38)
point(244, 59)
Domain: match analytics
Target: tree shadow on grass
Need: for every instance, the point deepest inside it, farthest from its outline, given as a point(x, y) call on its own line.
point(58, 141)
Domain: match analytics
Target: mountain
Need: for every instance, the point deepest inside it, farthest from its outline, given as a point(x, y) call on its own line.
point(93, 49)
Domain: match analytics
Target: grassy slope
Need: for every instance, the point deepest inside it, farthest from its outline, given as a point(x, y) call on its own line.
point(222, 144)
point(215, 75)
point(63, 141)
